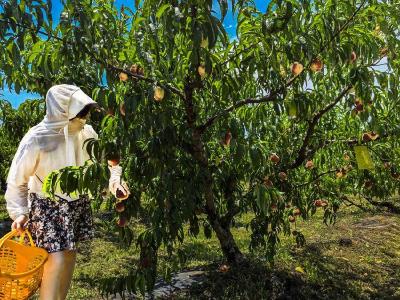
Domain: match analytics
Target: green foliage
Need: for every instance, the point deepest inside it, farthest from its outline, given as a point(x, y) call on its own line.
point(14, 123)
point(204, 148)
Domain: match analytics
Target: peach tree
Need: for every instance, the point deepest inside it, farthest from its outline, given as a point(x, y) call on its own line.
point(297, 112)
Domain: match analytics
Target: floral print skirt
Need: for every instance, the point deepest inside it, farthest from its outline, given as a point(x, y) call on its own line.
point(58, 225)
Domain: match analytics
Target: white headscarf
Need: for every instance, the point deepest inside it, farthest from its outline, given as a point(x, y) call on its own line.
point(63, 103)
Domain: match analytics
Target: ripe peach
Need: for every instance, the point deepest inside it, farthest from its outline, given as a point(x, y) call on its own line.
point(318, 203)
point(282, 176)
point(159, 93)
point(316, 65)
point(121, 194)
point(202, 71)
point(359, 107)
point(267, 182)
point(366, 137)
point(296, 212)
point(223, 268)
point(309, 164)
point(340, 173)
point(123, 76)
point(297, 68)
point(274, 158)
point(122, 221)
point(357, 101)
point(119, 206)
point(292, 219)
point(368, 184)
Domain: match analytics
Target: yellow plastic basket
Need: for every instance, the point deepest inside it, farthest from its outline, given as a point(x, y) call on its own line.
point(21, 267)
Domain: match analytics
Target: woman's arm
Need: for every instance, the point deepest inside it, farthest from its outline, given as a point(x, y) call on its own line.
point(116, 184)
point(24, 165)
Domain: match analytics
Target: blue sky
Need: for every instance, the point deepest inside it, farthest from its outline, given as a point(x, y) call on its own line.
point(16, 99)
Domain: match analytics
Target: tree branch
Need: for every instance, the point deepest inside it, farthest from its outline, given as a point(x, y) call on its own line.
point(345, 198)
point(301, 155)
point(268, 98)
point(32, 29)
point(315, 178)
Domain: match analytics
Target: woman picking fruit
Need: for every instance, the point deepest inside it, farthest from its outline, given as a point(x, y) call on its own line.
point(56, 226)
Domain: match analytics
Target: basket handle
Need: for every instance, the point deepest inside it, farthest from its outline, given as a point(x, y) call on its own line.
point(13, 233)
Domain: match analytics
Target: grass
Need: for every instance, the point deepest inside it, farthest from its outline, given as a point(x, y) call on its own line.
point(357, 258)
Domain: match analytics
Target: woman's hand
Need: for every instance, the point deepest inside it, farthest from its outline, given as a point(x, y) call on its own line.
point(19, 223)
point(117, 187)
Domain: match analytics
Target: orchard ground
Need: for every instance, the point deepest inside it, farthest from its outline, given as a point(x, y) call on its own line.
point(357, 258)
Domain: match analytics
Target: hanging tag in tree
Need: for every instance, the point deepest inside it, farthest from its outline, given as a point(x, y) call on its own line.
point(363, 157)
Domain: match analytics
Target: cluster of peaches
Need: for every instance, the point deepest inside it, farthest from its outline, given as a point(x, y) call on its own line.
point(283, 177)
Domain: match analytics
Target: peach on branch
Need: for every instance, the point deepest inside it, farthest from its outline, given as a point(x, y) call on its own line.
point(366, 137)
point(159, 93)
point(122, 195)
point(223, 268)
point(202, 71)
point(309, 164)
point(274, 158)
point(119, 206)
point(368, 184)
point(122, 221)
point(282, 176)
point(297, 68)
point(292, 219)
point(296, 212)
point(320, 203)
point(316, 65)
point(123, 76)
point(340, 173)
point(268, 182)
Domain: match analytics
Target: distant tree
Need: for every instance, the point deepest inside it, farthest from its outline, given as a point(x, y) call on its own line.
point(210, 127)
point(14, 123)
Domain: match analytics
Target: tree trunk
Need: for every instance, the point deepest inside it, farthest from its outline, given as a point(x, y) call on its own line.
point(222, 229)
point(228, 244)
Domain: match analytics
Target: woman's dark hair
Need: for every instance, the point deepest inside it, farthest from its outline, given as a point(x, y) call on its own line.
point(85, 111)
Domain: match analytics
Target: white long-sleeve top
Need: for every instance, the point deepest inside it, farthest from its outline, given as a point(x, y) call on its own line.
point(27, 175)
